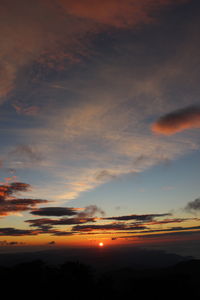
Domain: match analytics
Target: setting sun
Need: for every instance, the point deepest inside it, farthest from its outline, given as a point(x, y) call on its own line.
point(101, 244)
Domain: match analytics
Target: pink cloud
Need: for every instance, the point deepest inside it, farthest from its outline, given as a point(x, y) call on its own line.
point(26, 110)
point(56, 32)
point(116, 13)
point(177, 121)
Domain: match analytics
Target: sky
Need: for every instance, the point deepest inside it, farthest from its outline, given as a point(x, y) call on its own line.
point(100, 122)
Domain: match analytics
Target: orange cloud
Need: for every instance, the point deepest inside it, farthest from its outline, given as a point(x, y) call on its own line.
point(177, 121)
point(30, 31)
point(53, 32)
point(26, 110)
point(9, 204)
point(116, 13)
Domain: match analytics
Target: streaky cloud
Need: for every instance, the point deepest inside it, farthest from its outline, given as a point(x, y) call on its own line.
point(104, 227)
point(143, 218)
point(10, 231)
point(63, 221)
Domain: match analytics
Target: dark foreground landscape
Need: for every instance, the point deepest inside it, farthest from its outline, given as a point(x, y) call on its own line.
point(99, 275)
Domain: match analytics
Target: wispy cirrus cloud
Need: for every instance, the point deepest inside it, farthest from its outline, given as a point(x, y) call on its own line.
point(25, 153)
point(115, 12)
point(43, 30)
point(89, 130)
point(55, 32)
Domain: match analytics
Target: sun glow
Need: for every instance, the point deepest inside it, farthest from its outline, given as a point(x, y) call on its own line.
point(101, 244)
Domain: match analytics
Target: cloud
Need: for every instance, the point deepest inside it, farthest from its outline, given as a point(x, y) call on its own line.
point(105, 175)
point(12, 188)
point(45, 225)
point(168, 221)
point(91, 211)
point(39, 33)
point(54, 33)
point(114, 226)
point(18, 205)
point(109, 145)
point(26, 152)
point(55, 211)
point(86, 213)
point(193, 205)
point(171, 231)
point(7, 77)
point(91, 133)
point(26, 109)
point(52, 243)
point(163, 230)
point(177, 121)
point(9, 204)
point(64, 221)
point(10, 231)
point(142, 218)
point(161, 233)
point(13, 243)
point(120, 14)
point(62, 233)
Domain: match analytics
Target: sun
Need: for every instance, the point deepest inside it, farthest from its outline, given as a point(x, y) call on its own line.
point(101, 244)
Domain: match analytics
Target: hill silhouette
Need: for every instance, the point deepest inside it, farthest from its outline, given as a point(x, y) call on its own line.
point(73, 279)
point(99, 258)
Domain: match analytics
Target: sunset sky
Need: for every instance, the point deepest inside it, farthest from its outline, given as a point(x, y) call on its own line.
point(100, 121)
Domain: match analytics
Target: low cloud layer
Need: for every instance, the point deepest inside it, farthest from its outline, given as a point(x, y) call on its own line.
point(80, 221)
point(10, 231)
point(162, 233)
point(63, 221)
point(142, 218)
point(55, 211)
point(13, 243)
point(80, 213)
point(107, 227)
point(10, 204)
point(177, 121)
